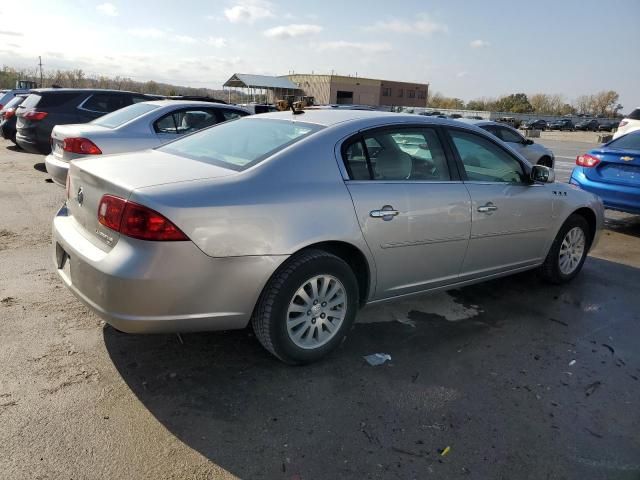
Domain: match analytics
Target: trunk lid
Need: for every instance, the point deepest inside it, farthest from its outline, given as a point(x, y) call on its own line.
point(81, 130)
point(616, 166)
point(119, 175)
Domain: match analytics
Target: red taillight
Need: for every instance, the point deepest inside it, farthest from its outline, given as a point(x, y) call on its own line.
point(136, 220)
point(623, 123)
point(587, 160)
point(83, 146)
point(34, 116)
point(9, 113)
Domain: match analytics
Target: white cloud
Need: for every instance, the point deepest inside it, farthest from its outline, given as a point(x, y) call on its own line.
point(363, 47)
point(291, 31)
point(462, 74)
point(423, 26)
point(185, 39)
point(217, 42)
point(11, 34)
point(479, 44)
point(248, 11)
point(146, 32)
point(108, 9)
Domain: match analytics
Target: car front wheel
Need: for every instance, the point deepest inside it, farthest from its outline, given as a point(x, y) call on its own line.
point(568, 251)
point(307, 307)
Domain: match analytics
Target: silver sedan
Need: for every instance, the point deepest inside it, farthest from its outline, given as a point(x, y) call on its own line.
point(293, 222)
point(534, 152)
point(136, 127)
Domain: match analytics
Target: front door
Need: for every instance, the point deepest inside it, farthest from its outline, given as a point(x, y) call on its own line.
point(413, 210)
point(510, 215)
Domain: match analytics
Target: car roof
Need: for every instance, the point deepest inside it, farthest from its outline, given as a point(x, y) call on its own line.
point(194, 103)
point(329, 117)
point(98, 90)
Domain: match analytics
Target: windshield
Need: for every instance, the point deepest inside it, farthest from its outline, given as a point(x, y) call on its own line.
point(124, 115)
point(240, 144)
point(630, 141)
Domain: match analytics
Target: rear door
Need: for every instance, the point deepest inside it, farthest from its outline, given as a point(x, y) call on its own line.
point(510, 216)
point(412, 207)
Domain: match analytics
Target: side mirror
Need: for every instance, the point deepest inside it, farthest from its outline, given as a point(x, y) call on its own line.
point(540, 173)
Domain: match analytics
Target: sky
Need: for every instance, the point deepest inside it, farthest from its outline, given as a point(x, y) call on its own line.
point(467, 49)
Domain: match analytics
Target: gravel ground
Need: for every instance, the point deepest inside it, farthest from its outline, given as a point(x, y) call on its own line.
point(520, 379)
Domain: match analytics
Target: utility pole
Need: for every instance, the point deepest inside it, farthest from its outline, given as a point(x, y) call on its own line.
point(40, 65)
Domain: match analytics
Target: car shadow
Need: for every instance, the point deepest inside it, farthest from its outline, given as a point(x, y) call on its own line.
point(488, 385)
point(40, 166)
point(624, 223)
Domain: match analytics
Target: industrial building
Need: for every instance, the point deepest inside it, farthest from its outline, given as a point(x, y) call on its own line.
point(332, 89)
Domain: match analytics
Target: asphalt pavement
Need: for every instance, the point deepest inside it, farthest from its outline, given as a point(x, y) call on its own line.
point(510, 379)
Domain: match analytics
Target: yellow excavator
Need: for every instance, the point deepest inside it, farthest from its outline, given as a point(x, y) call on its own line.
point(289, 101)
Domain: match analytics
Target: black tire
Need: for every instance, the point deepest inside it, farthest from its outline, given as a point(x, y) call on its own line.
point(270, 315)
point(550, 269)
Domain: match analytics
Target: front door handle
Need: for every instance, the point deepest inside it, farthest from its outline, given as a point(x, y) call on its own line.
point(487, 208)
point(386, 213)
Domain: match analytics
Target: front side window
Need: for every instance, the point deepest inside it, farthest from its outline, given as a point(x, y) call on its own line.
point(412, 154)
point(232, 114)
point(485, 161)
point(241, 144)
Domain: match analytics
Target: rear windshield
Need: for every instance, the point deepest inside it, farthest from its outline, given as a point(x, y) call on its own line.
point(635, 115)
point(49, 99)
point(31, 101)
point(240, 144)
point(124, 115)
point(630, 141)
point(14, 102)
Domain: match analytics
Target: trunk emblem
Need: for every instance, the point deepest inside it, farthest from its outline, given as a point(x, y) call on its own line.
point(626, 159)
point(80, 196)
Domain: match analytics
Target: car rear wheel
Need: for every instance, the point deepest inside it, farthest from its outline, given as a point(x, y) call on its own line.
point(568, 251)
point(307, 307)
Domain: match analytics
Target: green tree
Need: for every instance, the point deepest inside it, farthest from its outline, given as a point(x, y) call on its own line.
point(514, 103)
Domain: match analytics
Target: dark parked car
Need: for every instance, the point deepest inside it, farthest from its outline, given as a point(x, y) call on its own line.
point(588, 125)
point(562, 124)
point(8, 117)
point(608, 126)
point(198, 98)
point(511, 121)
point(534, 125)
point(45, 108)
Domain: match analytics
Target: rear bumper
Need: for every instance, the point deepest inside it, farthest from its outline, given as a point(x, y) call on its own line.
point(159, 287)
point(623, 198)
point(31, 144)
point(58, 169)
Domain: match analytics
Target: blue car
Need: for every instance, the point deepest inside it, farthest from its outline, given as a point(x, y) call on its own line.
point(612, 172)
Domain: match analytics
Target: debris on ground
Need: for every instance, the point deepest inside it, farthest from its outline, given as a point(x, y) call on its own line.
point(376, 359)
point(559, 321)
point(445, 451)
point(8, 301)
point(597, 435)
point(591, 388)
point(572, 362)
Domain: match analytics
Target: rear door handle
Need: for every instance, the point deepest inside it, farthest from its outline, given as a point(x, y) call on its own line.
point(487, 208)
point(386, 213)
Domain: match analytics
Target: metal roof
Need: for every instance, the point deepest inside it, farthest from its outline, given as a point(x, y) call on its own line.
point(244, 80)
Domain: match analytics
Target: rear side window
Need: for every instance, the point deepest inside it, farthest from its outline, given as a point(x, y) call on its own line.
point(105, 102)
point(186, 121)
point(14, 102)
point(484, 161)
point(410, 154)
point(124, 115)
point(635, 115)
point(508, 135)
point(56, 99)
point(241, 144)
